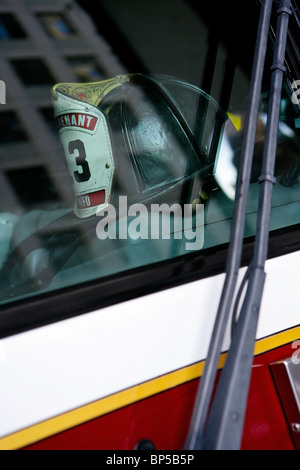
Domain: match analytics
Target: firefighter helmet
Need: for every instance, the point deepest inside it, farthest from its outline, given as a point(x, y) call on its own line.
point(151, 138)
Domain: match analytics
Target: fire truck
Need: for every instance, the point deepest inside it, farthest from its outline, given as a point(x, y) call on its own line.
point(149, 224)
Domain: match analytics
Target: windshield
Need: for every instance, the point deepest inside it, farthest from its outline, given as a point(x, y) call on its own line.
point(121, 127)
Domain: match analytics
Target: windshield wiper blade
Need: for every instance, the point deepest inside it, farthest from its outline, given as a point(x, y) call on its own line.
point(226, 420)
point(222, 428)
point(203, 399)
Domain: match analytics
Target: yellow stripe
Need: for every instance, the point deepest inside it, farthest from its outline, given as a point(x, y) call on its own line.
point(105, 405)
point(126, 397)
point(276, 340)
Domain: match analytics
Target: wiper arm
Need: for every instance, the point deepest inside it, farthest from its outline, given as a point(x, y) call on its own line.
point(226, 418)
point(195, 437)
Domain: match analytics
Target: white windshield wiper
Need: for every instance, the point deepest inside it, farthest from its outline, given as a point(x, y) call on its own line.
point(221, 426)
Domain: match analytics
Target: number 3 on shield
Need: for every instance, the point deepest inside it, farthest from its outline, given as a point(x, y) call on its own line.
point(84, 174)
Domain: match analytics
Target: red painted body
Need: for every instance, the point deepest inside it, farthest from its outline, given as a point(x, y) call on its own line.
point(164, 418)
